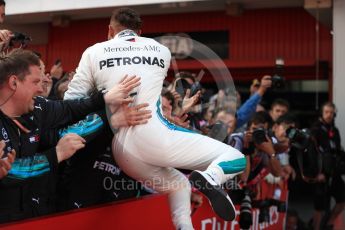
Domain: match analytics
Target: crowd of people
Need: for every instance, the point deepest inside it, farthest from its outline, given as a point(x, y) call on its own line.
point(57, 129)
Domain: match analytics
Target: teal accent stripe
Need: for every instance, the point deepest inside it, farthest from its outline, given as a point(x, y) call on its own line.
point(25, 175)
point(234, 166)
point(28, 167)
point(91, 124)
point(166, 123)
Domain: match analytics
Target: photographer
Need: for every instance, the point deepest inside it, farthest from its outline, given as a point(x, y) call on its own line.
point(261, 160)
point(279, 129)
point(329, 181)
point(9, 39)
point(5, 35)
point(257, 145)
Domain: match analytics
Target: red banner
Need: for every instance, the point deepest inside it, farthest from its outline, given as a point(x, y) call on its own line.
point(205, 219)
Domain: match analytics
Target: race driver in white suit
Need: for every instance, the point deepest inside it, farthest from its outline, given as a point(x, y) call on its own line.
point(151, 152)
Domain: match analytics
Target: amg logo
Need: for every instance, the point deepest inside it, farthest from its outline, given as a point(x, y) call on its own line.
point(121, 61)
point(107, 167)
point(151, 48)
point(131, 48)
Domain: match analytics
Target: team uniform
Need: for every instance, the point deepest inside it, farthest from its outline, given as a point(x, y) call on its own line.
point(96, 163)
point(29, 189)
point(151, 152)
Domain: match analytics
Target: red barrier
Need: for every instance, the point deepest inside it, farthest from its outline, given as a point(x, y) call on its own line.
point(150, 212)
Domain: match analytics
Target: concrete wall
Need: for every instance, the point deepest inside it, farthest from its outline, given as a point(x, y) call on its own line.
point(339, 64)
point(37, 6)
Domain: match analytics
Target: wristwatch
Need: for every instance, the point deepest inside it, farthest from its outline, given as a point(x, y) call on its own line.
point(272, 156)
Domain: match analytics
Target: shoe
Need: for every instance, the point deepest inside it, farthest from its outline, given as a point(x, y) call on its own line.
point(219, 200)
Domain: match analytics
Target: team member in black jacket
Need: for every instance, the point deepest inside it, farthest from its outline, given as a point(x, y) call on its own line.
point(27, 190)
point(105, 180)
point(329, 182)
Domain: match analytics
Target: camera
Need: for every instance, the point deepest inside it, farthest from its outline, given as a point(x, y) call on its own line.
point(19, 38)
point(299, 138)
point(259, 136)
point(246, 211)
point(278, 82)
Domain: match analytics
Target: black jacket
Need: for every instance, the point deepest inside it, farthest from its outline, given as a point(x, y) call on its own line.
point(105, 180)
point(329, 144)
point(29, 188)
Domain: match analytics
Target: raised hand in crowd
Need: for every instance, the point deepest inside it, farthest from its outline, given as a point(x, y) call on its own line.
point(177, 100)
point(186, 104)
point(5, 37)
point(130, 115)
point(181, 120)
point(189, 101)
point(265, 83)
point(47, 84)
point(68, 145)
point(176, 117)
point(119, 94)
point(6, 162)
point(56, 71)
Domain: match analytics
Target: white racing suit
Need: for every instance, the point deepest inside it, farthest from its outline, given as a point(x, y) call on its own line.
point(151, 152)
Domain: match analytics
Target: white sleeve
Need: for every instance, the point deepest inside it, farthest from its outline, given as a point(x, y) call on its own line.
point(82, 83)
